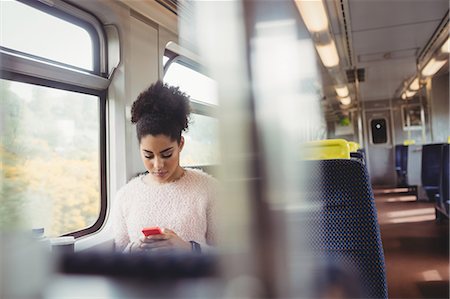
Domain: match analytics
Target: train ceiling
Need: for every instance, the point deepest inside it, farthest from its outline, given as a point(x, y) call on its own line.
point(383, 39)
point(378, 42)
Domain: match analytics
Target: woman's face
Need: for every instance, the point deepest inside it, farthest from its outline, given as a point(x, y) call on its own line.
point(161, 157)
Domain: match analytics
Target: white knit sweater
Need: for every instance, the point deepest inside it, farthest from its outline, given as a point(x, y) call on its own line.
point(184, 206)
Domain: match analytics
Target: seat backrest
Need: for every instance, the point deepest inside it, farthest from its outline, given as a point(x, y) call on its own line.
point(404, 162)
point(431, 165)
point(357, 156)
point(401, 164)
point(343, 221)
point(363, 154)
point(401, 158)
point(445, 179)
point(398, 157)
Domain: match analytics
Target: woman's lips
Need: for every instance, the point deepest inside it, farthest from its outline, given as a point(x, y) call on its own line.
point(160, 173)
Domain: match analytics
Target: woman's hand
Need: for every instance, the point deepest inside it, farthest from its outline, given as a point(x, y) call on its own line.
point(169, 240)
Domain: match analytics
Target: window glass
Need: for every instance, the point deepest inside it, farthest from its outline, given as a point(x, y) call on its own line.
point(200, 87)
point(49, 155)
point(379, 131)
point(201, 142)
point(29, 30)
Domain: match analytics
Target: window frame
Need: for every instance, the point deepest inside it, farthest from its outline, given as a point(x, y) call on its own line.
point(74, 15)
point(172, 56)
point(197, 107)
point(16, 65)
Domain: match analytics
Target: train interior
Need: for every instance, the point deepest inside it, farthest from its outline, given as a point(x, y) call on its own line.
point(326, 123)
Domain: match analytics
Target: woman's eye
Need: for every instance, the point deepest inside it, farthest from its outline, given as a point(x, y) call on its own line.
point(167, 155)
point(149, 157)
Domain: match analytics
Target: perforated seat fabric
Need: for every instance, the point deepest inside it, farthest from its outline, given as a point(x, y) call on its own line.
point(343, 225)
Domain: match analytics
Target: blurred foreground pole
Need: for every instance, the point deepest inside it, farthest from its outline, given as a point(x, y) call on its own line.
point(245, 235)
point(263, 59)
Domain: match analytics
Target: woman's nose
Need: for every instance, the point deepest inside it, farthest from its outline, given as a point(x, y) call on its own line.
point(158, 163)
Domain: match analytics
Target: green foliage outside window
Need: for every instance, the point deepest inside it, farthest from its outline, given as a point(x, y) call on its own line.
point(49, 159)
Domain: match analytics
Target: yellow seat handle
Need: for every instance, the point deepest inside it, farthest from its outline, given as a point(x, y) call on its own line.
point(326, 149)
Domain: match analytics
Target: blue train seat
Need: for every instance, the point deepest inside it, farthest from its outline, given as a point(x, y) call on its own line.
point(358, 156)
point(442, 199)
point(363, 154)
point(401, 165)
point(342, 221)
point(431, 168)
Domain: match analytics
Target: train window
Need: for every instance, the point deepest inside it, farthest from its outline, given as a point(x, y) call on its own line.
point(29, 30)
point(50, 157)
point(379, 131)
point(202, 143)
point(53, 120)
point(200, 87)
point(201, 146)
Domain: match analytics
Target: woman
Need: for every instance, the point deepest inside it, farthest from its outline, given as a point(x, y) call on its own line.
point(176, 199)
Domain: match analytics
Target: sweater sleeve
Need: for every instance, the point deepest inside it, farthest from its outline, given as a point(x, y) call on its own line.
point(121, 238)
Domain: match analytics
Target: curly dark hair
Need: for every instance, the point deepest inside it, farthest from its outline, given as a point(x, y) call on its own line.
point(161, 109)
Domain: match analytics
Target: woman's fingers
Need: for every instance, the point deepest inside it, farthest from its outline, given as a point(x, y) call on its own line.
point(168, 240)
point(155, 245)
point(154, 238)
point(169, 231)
point(162, 249)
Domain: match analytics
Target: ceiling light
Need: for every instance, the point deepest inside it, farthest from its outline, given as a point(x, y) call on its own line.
point(342, 91)
point(414, 84)
point(345, 101)
point(446, 46)
point(409, 93)
point(313, 14)
point(328, 54)
point(432, 67)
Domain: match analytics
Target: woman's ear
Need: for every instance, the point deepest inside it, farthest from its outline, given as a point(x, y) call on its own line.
point(181, 145)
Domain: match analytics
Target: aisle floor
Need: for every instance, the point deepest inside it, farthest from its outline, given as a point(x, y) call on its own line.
point(416, 248)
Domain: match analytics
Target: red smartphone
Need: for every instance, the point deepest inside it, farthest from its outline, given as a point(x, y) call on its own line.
point(149, 231)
